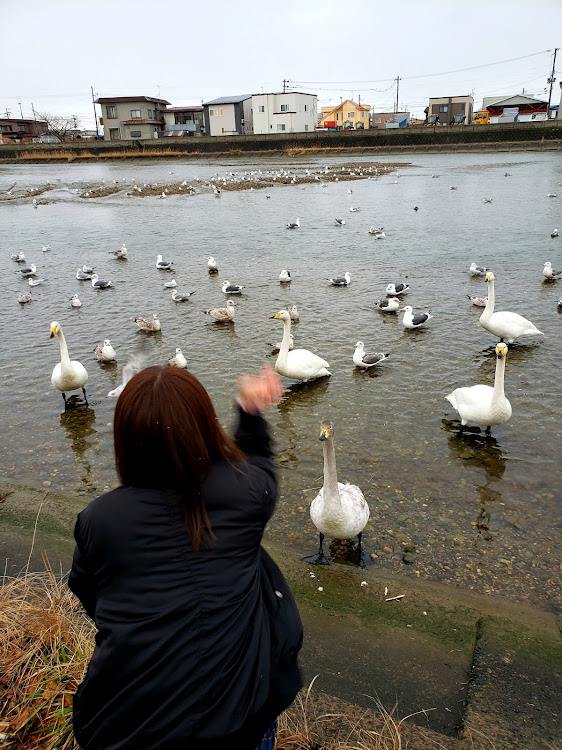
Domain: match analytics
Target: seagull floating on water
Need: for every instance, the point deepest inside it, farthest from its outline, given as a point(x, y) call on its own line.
point(88, 269)
point(212, 265)
point(23, 298)
point(74, 301)
point(551, 195)
point(340, 222)
point(487, 200)
point(285, 276)
point(293, 225)
point(105, 352)
point(28, 270)
point(35, 282)
point(344, 280)
point(377, 233)
point(150, 326)
point(365, 361)
point(411, 320)
point(98, 283)
point(223, 314)
point(390, 304)
point(478, 301)
point(396, 289)
point(170, 284)
point(18, 257)
point(229, 288)
point(476, 270)
point(46, 248)
point(163, 265)
point(293, 314)
point(181, 296)
point(178, 360)
point(354, 209)
point(554, 233)
point(121, 253)
point(81, 276)
point(548, 271)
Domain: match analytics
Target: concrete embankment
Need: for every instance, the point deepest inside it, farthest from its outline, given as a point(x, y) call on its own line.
point(471, 665)
point(533, 136)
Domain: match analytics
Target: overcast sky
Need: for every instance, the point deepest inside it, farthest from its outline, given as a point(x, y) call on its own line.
point(186, 51)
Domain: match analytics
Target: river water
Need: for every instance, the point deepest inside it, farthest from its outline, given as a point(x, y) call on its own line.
point(481, 512)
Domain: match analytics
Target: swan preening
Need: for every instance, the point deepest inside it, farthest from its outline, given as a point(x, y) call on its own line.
point(505, 325)
point(482, 404)
point(67, 375)
point(339, 511)
point(223, 314)
point(299, 364)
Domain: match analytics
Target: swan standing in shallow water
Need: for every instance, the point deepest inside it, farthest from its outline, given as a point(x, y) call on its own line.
point(506, 325)
point(339, 511)
point(482, 404)
point(67, 375)
point(299, 364)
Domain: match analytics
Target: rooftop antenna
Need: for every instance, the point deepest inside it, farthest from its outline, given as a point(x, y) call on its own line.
point(551, 80)
point(21, 113)
point(397, 79)
point(95, 113)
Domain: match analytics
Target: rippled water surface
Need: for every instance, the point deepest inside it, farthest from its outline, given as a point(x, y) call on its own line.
point(480, 511)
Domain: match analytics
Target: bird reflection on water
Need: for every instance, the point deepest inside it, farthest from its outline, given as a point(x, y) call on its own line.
point(78, 425)
point(301, 398)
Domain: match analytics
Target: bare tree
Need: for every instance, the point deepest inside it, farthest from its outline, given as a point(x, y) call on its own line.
point(62, 127)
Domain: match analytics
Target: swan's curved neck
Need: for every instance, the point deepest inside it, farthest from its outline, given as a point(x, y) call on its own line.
point(498, 394)
point(64, 356)
point(330, 490)
point(489, 309)
point(284, 350)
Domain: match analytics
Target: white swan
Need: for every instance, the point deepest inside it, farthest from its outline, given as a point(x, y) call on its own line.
point(482, 404)
point(506, 325)
point(339, 511)
point(67, 375)
point(299, 364)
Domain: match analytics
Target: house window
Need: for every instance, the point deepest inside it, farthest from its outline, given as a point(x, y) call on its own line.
point(443, 107)
point(6, 128)
point(221, 112)
point(306, 127)
point(111, 111)
point(261, 108)
point(114, 134)
point(135, 114)
point(350, 115)
point(280, 126)
point(284, 108)
point(213, 112)
point(462, 106)
point(222, 130)
point(378, 120)
point(150, 114)
point(337, 116)
point(306, 107)
point(136, 133)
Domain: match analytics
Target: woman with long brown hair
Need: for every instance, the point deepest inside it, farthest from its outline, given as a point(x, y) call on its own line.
point(198, 633)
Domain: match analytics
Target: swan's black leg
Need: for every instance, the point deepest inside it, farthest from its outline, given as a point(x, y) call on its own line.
point(65, 402)
point(85, 397)
point(319, 558)
point(488, 430)
point(364, 558)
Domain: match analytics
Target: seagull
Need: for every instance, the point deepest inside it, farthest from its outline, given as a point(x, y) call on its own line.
point(181, 297)
point(105, 352)
point(294, 225)
point(476, 270)
point(377, 232)
point(548, 271)
point(121, 253)
point(453, 187)
point(551, 195)
point(46, 248)
point(178, 360)
point(35, 282)
point(28, 270)
point(340, 222)
point(170, 284)
point(81, 276)
point(98, 283)
point(414, 321)
point(74, 301)
point(554, 233)
point(294, 314)
point(344, 280)
point(354, 209)
point(285, 276)
point(148, 325)
point(390, 304)
point(23, 298)
point(229, 288)
point(350, 191)
point(222, 314)
point(163, 265)
point(212, 265)
point(277, 346)
point(18, 257)
point(416, 208)
point(88, 269)
point(478, 301)
point(35, 204)
point(396, 289)
point(487, 200)
point(364, 361)
point(130, 368)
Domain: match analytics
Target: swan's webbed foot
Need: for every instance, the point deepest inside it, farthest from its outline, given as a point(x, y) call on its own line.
point(85, 397)
point(319, 558)
point(359, 556)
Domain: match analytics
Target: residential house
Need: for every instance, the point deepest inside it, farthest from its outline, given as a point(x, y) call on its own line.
point(182, 121)
point(228, 115)
point(348, 115)
point(529, 107)
point(289, 112)
point(128, 118)
point(379, 120)
point(17, 130)
point(447, 108)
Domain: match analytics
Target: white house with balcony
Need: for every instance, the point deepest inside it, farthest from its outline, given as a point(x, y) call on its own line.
point(129, 118)
point(287, 112)
point(228, 115)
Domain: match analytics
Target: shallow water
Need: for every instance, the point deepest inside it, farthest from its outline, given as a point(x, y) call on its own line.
point(483, 512)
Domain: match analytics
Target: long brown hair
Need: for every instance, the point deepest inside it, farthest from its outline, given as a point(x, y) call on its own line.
point(166, 436)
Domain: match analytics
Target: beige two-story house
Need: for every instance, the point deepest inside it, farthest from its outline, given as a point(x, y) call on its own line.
point(131, 118)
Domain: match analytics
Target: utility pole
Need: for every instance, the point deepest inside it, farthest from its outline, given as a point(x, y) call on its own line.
point(551, 80)
point(397, 79)
point(21, 113)
point(95, 113)
point(8, 113)
point(33, 110)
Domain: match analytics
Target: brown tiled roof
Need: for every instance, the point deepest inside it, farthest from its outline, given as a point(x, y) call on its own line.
point(118, 99)
point(185, 109)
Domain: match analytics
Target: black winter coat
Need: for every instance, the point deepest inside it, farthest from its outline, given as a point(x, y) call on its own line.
point(194, 650)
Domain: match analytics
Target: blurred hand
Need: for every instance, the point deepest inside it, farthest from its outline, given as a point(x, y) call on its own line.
point(259, 392)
